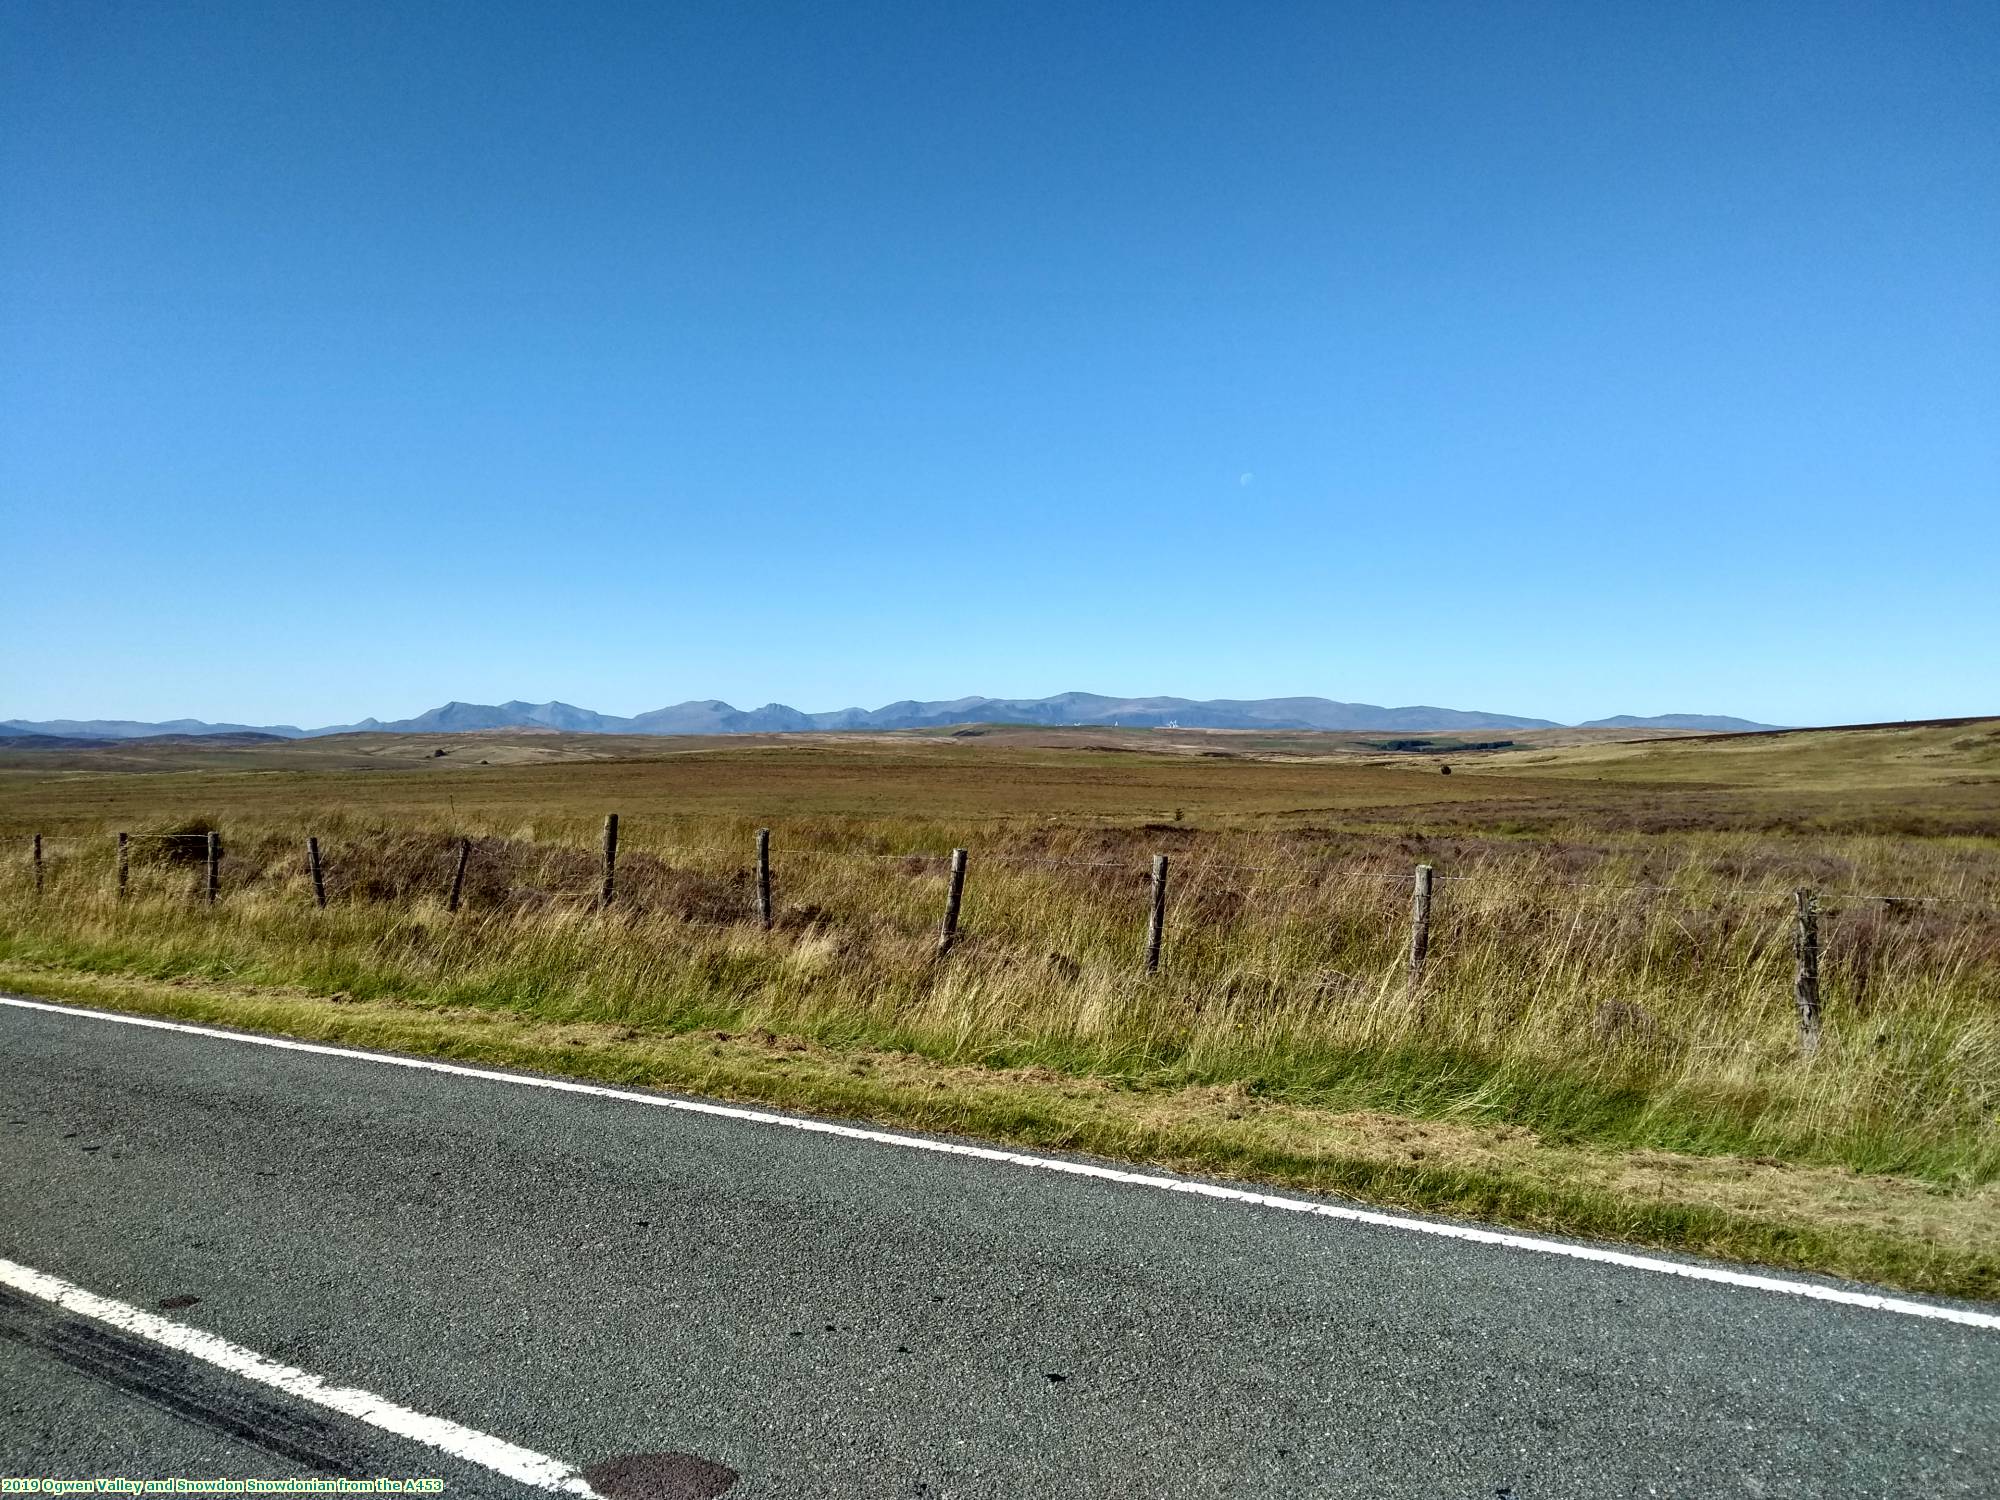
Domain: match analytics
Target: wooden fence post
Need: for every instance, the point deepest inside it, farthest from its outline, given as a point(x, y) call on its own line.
point(610, 857)
point(124, 863)
point(1805, 976)
point(38, 864)
point(214, 865)
point(458, 875)
point(949, 931)
point(764, 877)
point(318, 875)
point(1420, 924)
point(1156, 927)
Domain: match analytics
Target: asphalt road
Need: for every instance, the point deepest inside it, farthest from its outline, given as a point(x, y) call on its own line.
point(804, 1315)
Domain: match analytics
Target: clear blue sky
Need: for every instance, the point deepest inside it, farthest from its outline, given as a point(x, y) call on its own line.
point(1561, 360)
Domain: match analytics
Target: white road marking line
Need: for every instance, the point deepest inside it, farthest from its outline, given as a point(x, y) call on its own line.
point(489, 1452)
point(1807, 1289)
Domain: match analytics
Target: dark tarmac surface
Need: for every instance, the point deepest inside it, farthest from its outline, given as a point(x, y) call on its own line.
point(805, 1315)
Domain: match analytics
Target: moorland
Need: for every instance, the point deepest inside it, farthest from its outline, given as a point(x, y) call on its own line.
point(1602, 1039)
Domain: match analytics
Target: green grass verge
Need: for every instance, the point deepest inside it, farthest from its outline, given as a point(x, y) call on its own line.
point(1915, 1236)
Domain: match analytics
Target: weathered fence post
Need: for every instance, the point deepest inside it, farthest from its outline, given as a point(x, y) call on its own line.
point(1156, 927)
point(1805, 976)
point(764, 877)
point(38, 864)
point(458, 875)
point(610, 857)
point(1420, 924)
point(949, 930)
point(318, 875)
point(214, 865)
point(124, 863)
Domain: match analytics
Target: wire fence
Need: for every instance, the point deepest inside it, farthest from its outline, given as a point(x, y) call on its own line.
point(1196, 880)
point(1308, 874)
point(1329, 869)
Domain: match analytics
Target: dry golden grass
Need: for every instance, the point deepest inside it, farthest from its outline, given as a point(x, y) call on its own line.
point(1903, 757)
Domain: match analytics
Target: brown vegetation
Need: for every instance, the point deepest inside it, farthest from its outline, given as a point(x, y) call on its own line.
point(1610, 967)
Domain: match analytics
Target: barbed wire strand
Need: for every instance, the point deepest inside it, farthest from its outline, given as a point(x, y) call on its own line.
point(1189, 873)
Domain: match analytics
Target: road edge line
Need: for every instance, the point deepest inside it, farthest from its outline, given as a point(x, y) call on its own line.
point(1467, 1233)
point(510, 1460)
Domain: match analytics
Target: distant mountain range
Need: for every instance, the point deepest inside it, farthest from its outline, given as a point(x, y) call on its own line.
point(711, 716)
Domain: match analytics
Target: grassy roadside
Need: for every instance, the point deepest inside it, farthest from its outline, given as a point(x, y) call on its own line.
point(1893, 1230)
point(1603, 1040)
point(1554, 999)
